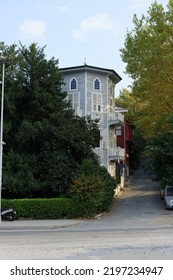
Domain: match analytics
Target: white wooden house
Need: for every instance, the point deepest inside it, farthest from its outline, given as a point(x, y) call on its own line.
point(91, 91)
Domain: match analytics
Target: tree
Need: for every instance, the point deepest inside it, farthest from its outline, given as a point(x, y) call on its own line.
point(127, 100)
point(45, 141)
point(148, 53)
point(159, 155)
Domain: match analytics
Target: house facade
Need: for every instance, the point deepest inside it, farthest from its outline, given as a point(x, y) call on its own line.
point(91, 91)
point(125, 141)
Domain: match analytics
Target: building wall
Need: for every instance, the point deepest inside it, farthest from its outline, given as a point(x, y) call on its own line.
point(125, 141)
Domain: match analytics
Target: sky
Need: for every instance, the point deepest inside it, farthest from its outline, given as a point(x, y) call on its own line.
point(74, 31)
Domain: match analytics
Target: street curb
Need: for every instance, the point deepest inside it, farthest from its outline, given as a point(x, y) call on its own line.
point(38, 227)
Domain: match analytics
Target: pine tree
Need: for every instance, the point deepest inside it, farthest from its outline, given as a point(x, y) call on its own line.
point(45, 141)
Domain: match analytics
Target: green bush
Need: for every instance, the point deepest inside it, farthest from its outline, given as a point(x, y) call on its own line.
point(92, 189)
point(41, 208)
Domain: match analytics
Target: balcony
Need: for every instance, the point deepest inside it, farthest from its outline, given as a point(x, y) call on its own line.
point(116, 153)
point(116, 118)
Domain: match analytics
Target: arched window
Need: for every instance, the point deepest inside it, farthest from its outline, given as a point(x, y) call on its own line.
point(73, 84)
point(97, 84)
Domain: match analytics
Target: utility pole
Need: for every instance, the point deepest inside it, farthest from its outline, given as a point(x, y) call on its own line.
point(2, 61)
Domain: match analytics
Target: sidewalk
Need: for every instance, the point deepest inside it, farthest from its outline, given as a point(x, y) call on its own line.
point(119, 188)
point(38, 224)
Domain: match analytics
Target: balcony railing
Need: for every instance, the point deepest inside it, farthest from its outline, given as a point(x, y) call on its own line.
point(116, 118)
point(117, 153)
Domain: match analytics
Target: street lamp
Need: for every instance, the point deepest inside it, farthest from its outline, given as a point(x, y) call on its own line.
point(2, 61)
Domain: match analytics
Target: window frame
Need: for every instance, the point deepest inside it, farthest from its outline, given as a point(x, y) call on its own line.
point(94, 84)
point(76, 83)
point(97, 106)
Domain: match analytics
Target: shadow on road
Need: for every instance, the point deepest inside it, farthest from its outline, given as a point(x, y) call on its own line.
point(139, 201)
point(140, 174)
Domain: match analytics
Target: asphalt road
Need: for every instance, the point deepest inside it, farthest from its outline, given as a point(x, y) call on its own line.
point(137, 227)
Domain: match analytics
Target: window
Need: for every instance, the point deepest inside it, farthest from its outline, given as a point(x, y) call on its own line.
point(111, 95)
point(97, 84)
point(98, 139)
point(97, 102)
point(118, 131)
point(73, 84)
point(74, 100)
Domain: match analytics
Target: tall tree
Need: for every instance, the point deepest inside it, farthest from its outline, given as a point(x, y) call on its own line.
point(127, 100)
point(159, 156)
point(148, 53)
point(45, 141)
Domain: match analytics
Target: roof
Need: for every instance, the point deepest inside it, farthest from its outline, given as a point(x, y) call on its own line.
point(92, 68)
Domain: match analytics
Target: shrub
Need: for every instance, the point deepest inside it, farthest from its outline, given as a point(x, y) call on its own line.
point(92, 189)
point(43, 208)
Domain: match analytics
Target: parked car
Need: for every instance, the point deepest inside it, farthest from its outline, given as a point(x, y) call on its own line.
point(168, 197)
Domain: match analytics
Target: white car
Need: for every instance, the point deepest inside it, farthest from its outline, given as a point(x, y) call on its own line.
point(168, 197)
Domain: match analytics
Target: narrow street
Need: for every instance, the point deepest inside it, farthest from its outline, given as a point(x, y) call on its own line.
point(137, 227)
point(139, 206)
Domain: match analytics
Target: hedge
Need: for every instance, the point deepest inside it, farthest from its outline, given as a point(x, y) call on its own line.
point(42, 208)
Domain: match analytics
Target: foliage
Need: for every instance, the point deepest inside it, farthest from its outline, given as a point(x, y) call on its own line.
point(92, 189)
point(127, 100)
point(52, 208)
point(137, 148)
point(148, 53)
point(159, 154)
point(45, 141)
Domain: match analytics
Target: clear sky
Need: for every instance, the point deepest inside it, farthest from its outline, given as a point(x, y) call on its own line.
point(73, 30)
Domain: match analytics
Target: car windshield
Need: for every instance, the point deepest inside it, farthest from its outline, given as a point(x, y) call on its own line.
point(169, 191)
